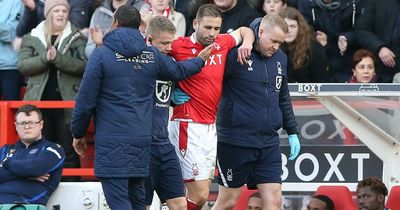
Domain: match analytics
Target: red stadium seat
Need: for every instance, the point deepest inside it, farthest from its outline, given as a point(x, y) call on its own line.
point(393, 201)
point(244, 196)
point(340, 195)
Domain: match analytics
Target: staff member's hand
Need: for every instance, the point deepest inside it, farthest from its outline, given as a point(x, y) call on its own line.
point(205, 53)
point(79, 146)
point(294, 146)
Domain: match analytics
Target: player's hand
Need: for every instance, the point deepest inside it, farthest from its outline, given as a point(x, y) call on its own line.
point(179, 97)
point(387, 57)
point(322, 38)
point(244, 52)
point(206, 52)
point(79, 146)
point(294, 146)
point(41, 178)
point(342, 44)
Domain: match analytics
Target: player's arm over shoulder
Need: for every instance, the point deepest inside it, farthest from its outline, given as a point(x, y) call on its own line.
point(243, 35)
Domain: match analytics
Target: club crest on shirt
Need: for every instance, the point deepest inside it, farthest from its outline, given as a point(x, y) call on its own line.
point(33, 151)
point(163, 90)
point(250, 63)
point(278, 82)
point(216, 46)
point(194, 51)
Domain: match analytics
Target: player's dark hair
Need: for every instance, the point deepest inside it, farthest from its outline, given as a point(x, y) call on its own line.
point(208, 10)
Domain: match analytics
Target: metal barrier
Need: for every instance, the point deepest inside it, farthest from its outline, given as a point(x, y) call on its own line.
point(323, 95)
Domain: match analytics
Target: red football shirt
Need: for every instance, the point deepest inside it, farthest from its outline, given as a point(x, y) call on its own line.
point(204, 88)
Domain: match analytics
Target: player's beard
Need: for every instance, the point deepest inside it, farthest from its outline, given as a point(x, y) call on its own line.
point(205, 41)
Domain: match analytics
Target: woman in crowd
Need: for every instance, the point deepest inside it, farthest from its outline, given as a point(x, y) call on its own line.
point(52, 58)
point(363, 66)
point(165, 8)
point(307, 59)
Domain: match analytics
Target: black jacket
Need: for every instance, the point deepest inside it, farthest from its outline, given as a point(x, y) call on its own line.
point(335, 23)
point(375, 30)
point(315, 69)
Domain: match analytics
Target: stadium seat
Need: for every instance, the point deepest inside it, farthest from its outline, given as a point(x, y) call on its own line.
point(244, 196)
point(393, 201)
point(340, 195)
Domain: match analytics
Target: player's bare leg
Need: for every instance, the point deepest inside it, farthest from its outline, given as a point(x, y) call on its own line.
point(197, 193)
point(227, 198)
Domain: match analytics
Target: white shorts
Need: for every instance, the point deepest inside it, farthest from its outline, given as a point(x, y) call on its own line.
point(196, 147)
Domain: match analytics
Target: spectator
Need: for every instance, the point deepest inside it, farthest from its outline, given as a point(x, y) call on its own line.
point(11, 80)
point(30, 170)
point(307, 59)
point(379, 31)
point(371, 194)
point(272, 7)
point(320, 202)
point(117, 90)
point(79, 13)
point(101, 20)
point(192, 130)
point(255, 104)
point(255, 202)
point(52, 58)
point(334, 22)
point(182, 6)
point(165, 8)
point(235, 13)
point(363, 66)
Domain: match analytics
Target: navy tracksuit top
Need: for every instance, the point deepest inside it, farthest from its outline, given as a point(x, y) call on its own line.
point(19, 163)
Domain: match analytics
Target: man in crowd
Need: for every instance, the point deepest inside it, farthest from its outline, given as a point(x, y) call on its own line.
point(378, 30)
point(30, 170)
point(192, 130)
point(255, 104)
point(371, 193)
point(117, 90)
point(254, 202)
point(320, 202)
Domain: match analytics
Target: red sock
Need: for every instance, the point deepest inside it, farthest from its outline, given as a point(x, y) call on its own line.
point(192, 205)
